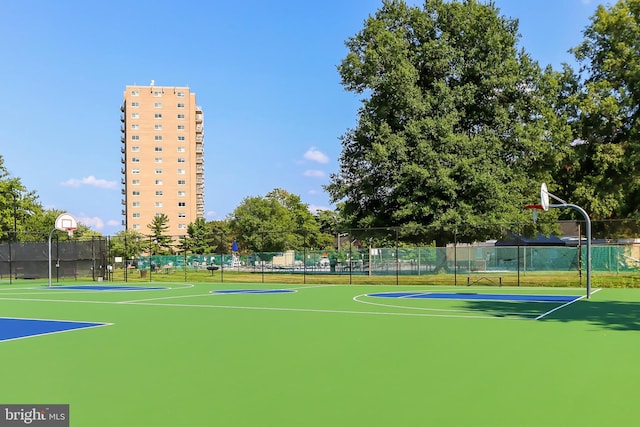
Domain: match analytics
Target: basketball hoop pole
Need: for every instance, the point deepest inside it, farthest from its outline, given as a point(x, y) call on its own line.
point(64, 222)
point(50, 235)
point(563, 205)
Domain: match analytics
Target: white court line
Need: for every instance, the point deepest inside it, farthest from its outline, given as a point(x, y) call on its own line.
point(312, 310)
point(161, 298)
point(284, 309)
point(433, 309)
point(565, 305)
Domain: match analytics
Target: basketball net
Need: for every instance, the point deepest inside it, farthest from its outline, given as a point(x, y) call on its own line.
point(70, 232)
point(535, 209)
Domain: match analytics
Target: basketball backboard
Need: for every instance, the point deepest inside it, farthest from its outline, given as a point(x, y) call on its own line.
point(66, 222)
point(544, 197)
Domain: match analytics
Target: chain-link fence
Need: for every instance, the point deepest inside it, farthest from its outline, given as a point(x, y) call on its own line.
point(383, 255)
point(31, 257)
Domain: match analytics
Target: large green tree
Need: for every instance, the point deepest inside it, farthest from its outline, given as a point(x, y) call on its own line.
point(455, 129)
point(159, 240)
point(274, 223)
point(603, 168)
point(20, 210)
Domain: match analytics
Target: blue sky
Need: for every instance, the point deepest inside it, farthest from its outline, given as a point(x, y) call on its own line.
point(264, 73)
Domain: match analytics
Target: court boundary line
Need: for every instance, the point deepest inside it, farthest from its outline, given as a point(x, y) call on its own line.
point(565, 305)
point(283, 309)
point(498, 314)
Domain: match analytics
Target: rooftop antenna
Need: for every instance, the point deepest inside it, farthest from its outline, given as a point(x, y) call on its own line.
point(153, 82)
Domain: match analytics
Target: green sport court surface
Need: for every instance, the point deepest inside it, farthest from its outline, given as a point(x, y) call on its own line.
point(322, 355)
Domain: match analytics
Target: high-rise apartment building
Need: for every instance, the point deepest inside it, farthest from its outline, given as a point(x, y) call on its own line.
point(162, 157)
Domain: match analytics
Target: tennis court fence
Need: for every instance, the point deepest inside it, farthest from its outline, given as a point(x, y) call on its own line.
point(353, 252)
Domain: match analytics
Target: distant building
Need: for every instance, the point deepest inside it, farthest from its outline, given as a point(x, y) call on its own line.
point(162, 157)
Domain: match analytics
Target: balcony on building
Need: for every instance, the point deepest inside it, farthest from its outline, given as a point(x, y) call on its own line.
point(122, 118)
point(122, 150)
point(122, 108)
point(123, 139)
point(122, 160)
point(199, 118)
point(123, 202)
point(199, 128)
point(123, 171)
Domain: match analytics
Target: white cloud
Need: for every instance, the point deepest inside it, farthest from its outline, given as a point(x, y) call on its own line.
point(316, 155)
point(91, 181)
point(315, 208)
point(91, 221)
point(114, 223)
point(314, 173)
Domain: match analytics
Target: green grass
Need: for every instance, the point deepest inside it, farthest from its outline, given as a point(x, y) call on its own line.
point(317, 357)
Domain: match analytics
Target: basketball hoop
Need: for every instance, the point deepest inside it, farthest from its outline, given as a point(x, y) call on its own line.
point(67, 223)
point(535, 209)
point(64, 222)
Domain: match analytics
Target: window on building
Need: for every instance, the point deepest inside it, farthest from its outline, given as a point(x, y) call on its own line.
point(157, 105)
point(181, 172)
point(135, 115)
point(180, 94)
point(135, 193)
point(157, 137)
point(182, 204)
point(181, 149)
point(135, 149)
point(158, 171)
point(182, 215)
point(159, 193)
point(180, 127)
point(135, 126)
point(157, 127)
point(180, 105)
point(182, 226)
point(157, 149)
point(158, 182)
point(181, 116)
point(135, 93)
point(136, 226)
point(157, 94)
point(136, 215)
point(182, 160)
point(135, 104)
point(158, 204)
point(135, 160)
point(182, 193)
point(158, 160)
point(135, 137)
point(157, 116)
point(182, 182)
point(136, 204)
point(135, 182)
point(181, 138)
point(135, 171)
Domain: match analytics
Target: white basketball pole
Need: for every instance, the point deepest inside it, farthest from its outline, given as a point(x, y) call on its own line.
point(544, 194)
